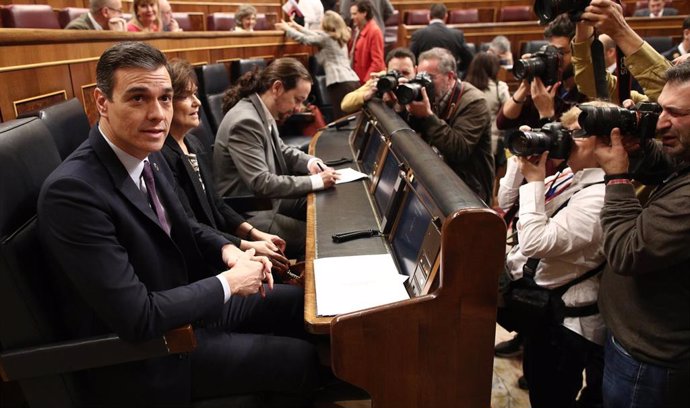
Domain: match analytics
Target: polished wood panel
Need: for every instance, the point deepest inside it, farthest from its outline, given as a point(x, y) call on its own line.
point(20, 88)
point(38, 62)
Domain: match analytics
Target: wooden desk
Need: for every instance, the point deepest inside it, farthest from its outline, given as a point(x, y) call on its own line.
point(433, 350)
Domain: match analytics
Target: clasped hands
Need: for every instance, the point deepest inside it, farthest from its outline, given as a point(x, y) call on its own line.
point(247, 272)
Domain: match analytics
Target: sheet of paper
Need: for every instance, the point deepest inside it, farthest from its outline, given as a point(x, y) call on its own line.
point(349, 174)
point(350, 283)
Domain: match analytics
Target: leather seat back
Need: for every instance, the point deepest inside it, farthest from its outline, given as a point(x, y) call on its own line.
point(29, 16)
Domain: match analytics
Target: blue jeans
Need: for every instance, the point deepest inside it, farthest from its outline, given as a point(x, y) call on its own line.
point(629, 383)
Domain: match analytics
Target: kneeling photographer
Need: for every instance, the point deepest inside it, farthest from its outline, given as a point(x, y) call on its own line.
point(560, 249)
point(451, 116)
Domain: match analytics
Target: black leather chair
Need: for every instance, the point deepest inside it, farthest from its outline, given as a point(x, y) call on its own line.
point(322, 99)
point(213, 81)
point(29, 16)
point(33, 352)
point(242, 66)
point(67, 123)
point(472, 47)
point(204, 132)
point(660, 44)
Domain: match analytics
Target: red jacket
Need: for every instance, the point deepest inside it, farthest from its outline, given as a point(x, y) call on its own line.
point(368, 55)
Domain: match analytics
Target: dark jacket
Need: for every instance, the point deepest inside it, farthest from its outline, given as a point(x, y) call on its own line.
point(439, 35)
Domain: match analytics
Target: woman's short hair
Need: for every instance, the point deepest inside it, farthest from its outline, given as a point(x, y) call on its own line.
point(245, 11)
point(182, 76)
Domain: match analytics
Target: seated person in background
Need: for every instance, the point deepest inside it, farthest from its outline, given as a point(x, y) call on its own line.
point(245, 18)
point(643, 62)
point(331, 42)
point(456, 121)
point(366, 47)
point(656, 8)
point(102, 15)
point(436, 34)
point(558, 225)
point(169, 23)
point(684, 47)
point(500, 46)
point(534, 104)
point(145, 17)
point(400, 60)
point(249, 158)
point(482, 73)
point(129, 260)
point(191, 167)
point(644, 288)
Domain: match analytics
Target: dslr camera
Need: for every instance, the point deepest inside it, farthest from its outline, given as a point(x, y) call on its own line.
point(543, 64)
point(388, 82)
point(639, 121)
point(412, 90)
point(552, 137)
point(548, 10)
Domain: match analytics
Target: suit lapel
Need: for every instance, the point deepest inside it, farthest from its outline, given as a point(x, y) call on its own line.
point(272, 136)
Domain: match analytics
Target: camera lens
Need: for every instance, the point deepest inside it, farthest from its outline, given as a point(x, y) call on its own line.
point(600, 121)
point(386, 83)
point(528, 143)
point(407, 93)
point(528, 68)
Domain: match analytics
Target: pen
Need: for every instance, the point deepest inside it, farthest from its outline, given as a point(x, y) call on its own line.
point(319, 164)
point(289, 272)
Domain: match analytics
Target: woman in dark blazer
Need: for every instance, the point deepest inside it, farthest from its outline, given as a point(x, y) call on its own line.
point(191, 167)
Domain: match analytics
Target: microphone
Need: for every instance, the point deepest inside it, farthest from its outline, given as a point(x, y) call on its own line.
point(342, 122)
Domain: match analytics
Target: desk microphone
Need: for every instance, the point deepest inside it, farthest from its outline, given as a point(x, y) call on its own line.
point(342, 122)
point(349, 236)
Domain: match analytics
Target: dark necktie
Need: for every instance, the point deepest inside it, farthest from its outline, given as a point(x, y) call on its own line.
point(147, 174)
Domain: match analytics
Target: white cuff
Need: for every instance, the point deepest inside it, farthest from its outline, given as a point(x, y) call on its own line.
point(316, 182)
point(226, 288)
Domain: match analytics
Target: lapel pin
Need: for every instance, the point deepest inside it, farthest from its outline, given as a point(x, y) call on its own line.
point(155, 166)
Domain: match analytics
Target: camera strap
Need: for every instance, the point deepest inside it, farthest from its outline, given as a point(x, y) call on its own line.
point(599, 67)
point(624, 79)
point(454, 100)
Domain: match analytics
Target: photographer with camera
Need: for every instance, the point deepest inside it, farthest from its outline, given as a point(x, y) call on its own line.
point(451, 116)
point(560, 244)
point(643, 62)
point(542, 95)
point(401, 66)
point(645, 287)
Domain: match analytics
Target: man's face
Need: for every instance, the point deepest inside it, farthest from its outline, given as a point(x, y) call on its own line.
point(563, 45)
point(403, 65)
point(166, 11)
point(358, 18)
point(288, 102)
point(673, 127)
point(582, 151)
point(137, 119)
point(655, 6)
point(442, 82)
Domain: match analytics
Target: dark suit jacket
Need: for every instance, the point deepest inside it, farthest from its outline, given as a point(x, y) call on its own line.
point(439, 35)
point(118, 270)
point(82, 22)
point(668, 11)
point(671, 54)
point(207, 207)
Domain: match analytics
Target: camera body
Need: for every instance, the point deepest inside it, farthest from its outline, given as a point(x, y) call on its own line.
point(552, 137)
point(639, 121)
point(388, 82)
point(548, 10)
point(412, 90)
point(543, 64)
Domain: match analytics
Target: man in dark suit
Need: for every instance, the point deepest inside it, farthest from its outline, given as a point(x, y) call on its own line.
point(655, 8)
point(436, 34)
point(128, 259)
point(102, 15)
point(682, 48)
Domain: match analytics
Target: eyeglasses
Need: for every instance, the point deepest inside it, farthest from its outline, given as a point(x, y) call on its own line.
point(117, 11)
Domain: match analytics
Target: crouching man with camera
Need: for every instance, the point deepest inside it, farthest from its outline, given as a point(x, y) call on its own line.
point(558, 258)
point(645, 288)
point(455, 119)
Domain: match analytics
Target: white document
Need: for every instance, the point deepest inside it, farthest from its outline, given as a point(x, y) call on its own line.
point(350, 283)
point(349, 174)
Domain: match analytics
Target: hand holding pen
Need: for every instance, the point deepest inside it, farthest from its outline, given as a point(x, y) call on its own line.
point(328, 175)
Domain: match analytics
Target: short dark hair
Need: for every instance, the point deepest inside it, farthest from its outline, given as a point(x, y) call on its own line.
point(679, 73)
point(182, 76)
point(400, 52)
point(561, 26)
point(366, 7)
point(129, 54)
point(686, 23)
point(438, 10)
point(286, 70)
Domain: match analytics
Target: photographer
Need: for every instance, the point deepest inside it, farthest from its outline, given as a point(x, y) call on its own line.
point(534, 103)
point(643, 62)
point(645, 287)
point(400, 60)
point(559, 228)
point(455, 120)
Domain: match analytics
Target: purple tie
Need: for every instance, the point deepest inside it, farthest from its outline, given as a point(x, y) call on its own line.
point(147, 174)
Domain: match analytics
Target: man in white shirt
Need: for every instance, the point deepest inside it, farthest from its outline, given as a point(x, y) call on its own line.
point(684, 47)
point(656, 8)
